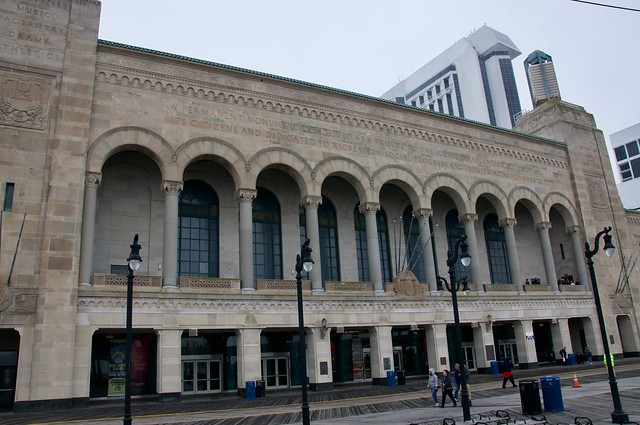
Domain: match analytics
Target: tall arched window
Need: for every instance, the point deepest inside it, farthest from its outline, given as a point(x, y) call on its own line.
point(198, 233)
point(328, 226)
point(362, 250)
point(455, 230)
point(267, 238)
point(496, 250)
point(412, 245)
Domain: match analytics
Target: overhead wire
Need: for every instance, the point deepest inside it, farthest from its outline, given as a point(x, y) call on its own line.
point(612, 6)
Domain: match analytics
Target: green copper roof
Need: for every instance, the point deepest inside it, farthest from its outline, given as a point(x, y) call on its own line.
point(319, 86)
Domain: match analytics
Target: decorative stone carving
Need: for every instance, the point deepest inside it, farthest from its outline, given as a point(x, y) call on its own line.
point(246, 195)
point(24, 100)
point(92, 179)
point(597, 192)
point(369, 207)
point(508, 222)
point(543, 225)
point(172, 187)
point(423, 213)
point(5, 297)
point(406, 283)
point(311, 201)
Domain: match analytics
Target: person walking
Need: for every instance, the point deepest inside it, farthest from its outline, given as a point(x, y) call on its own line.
point(447, 388)
point(563, 354)
point(433, 385)
point(507, 374)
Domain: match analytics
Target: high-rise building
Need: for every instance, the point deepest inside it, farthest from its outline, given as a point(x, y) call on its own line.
point(626, 148)
point(472, 79)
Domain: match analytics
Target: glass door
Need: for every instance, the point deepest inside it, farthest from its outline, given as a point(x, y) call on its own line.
point(201, 376)
point(469, 352)
point(398, 363)
point(508, 349)
point(275, 372)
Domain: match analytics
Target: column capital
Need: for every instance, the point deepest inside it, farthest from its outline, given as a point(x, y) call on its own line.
point(543, 225)
point(171, 187)
point(92, 179)
point(369, 207)
point(311, 201)
point(468, 217)
point(423, 213)
point(508, 222)
point(246, 195)
point(572, 229)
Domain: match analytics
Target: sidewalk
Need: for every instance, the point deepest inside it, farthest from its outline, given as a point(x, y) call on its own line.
point(367, 404)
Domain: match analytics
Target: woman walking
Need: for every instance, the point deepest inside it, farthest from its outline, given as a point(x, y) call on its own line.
point(447, 388)
point(432, 384)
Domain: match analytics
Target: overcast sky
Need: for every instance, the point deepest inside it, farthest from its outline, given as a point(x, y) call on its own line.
point(367, 46)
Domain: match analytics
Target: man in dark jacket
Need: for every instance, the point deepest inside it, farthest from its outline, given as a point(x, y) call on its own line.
point(507, 375)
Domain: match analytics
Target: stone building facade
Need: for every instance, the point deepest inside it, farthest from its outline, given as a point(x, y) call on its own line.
point(223, 172)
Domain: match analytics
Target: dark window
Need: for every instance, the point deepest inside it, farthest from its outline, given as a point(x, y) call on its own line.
point(412, 258)
point(432, 107)
point(440, 107)
point(328, 226)
point(399, 99)
point(455, 230)
point(198, 243)
point(429, 95)
point(635, 167)
point(446, 83)
point(510, 89)
point(267, 240)
point(413, 103)
point(421, 99)
point(438, 89)
point(120, 269)
point(362, 249)
point(496, 250)
point(449, 104)
point(632, 148)
point(621, 153)
point(625, 171)
point(487, 90)
point(8, 196)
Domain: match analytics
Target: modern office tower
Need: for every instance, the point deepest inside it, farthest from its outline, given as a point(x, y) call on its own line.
point(625, 145)
point(472, 79)
point(541, 76)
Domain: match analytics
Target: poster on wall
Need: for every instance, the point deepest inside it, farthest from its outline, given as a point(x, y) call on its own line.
point(358, 359)
point(117, 372)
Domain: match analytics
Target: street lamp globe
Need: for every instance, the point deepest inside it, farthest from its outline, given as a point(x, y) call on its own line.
point(608, 246)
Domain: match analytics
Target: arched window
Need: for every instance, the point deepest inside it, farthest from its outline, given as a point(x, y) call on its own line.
point(198, 233)
point(362, 249)
point(302, 220)
point(328, 226)
point(455, 230)
point(412, 246)
point(496, 250)
point(267, 238)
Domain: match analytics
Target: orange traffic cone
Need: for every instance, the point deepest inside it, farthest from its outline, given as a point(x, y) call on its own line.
point(576, 384)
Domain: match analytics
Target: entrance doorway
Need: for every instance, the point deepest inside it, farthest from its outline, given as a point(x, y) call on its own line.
point(469, 353)
point(275, 370)
point(201, 375)
point(398, 363)
point(507, 349)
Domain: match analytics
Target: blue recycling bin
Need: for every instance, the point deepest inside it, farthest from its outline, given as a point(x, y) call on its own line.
point(391, 378)
point(495, 370)
point(571, 359)
point(250, 390)
point(551, 394)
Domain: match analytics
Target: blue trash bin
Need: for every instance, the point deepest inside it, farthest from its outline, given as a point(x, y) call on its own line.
point(250, 390)
point(571, 359)
point(391, 378)
point(495, 370)
point(551, 394)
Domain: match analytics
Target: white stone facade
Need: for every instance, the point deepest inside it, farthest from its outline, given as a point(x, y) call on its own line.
point(119, 132)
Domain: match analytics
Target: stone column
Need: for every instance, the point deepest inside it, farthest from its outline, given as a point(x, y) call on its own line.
point(574, 233)
point(527, 357)
point(311, 204)
point(561, 337)
point(483, 343)
point(319, 359)
point(171, 191)
point(91, 183)
point(437, 347)
point(547, 255)
point(369, 209)
point(249, 356)
point(469, 221)
point(381, 353)
point(426, 236)
point(245, 199)
point(170, 364)
point(512, 253)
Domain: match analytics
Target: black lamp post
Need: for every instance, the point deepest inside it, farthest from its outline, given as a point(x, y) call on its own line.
point(303, 262)
point(133, 261)
point(453, 287)
point(618, 416)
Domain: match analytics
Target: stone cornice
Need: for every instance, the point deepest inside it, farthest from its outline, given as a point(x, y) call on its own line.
point(196, 83)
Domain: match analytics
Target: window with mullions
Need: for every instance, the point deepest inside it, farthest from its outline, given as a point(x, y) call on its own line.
point(328, 226)
point(198, 233)
point(412, 247)
point(496, 250)
point(362, 250)
point(267, 239)
point(625, 171)
point(455, 230)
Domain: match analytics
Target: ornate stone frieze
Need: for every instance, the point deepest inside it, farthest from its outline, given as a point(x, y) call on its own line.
point(369, 207)
point(246, 195)
point(406, 284)
point(121, 280)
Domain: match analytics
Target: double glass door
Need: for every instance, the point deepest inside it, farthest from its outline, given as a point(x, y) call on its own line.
point(201, 376)
point(275, 372)
point(507, 349)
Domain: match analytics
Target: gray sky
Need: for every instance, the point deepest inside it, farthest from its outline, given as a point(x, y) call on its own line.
point(366, 46)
